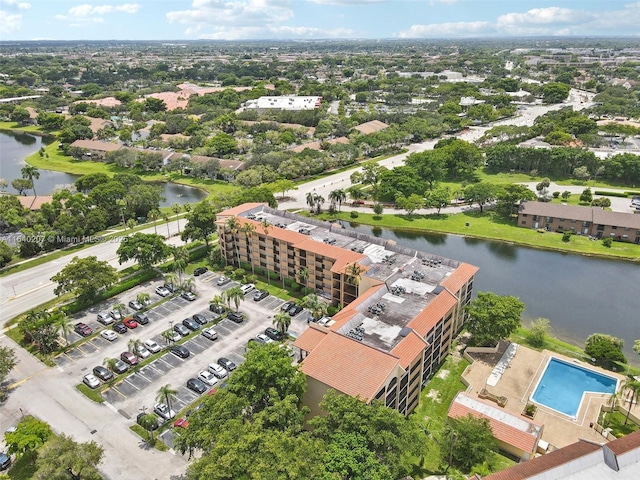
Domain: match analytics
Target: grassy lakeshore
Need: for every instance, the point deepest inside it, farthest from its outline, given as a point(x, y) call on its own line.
point(491, 226)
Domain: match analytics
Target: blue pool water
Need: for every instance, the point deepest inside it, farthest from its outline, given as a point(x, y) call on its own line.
point(563, 385)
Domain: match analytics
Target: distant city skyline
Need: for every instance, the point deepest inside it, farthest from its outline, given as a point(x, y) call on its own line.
point(313, 19)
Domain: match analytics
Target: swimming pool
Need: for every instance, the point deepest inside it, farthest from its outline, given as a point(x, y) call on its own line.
point(563, 385)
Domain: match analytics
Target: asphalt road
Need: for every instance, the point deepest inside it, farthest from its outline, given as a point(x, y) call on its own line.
point(24, 290)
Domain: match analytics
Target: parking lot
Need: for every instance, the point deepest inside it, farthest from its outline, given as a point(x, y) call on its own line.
point(137, 391)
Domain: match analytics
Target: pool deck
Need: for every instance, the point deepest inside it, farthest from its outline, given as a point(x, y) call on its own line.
point(518, 382)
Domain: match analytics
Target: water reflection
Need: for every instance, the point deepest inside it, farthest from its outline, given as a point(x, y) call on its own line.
point(24, 139)
point(508, 251)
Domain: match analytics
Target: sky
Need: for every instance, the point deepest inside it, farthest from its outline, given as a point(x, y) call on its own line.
point(313, 19)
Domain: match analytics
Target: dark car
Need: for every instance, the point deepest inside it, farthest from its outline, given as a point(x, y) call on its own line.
point(295, 310)
point(181, 329)
point(153, 425)
point(259, 295)
point(219, 309)
point(135, 305)
point(141, 318)
point(235, 317)
point(102, 373)
point(83, 329)
point(199, 271)
point(120, 327)
point(285, 307)
point(129, 358)
point(171, 287)
point(196, 385)
point(200, 319)
point(273, 334)
point(226, 363)
point(180, 351)
point(5, 461)
point(191, 324)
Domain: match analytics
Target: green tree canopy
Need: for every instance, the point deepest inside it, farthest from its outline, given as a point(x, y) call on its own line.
point(493, 317)
point(200, 223)
point(467, 442)
point(145, 248)
point(85, 277)
point(606, 349)
point(61, 458)
point(29, 434)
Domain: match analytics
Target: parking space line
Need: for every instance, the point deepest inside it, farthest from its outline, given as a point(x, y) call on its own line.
point(130, 382)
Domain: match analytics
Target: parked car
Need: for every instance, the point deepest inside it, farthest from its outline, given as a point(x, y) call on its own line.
point(163, 411)
point(135, 305)
point(210, 333)
point(115, 315)
point(104, 318)
point(223, 281)
point(218, 370)
point(191, 324)
point(91, 381)
point(143, 352)
point(263, 338)
point(141, 318)
point(162, 291)
point(181, 329)
point(207, 377)
point(295, 310)
point(120, 367)
point(235, 317)
point(200, 319)
point(129, 358)
point(152, 425)
point(181, 423)
point(102, 373)
point(130, 323)
point(196, 385)
point(5, 461)
point(120, 327)
point(108, 335)
point(219, 309)
point(227, 364)
point(247, 287)
point(273, 334)
point(175, 336)
point(260, 295)
point(171, 287)
point(83, 329)
point(152, 346)
point(180, 351)
point(188, 296)
point(199, 271)
point(286, 306)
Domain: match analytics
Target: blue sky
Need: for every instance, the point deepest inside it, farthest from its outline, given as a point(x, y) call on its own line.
point(309, 19)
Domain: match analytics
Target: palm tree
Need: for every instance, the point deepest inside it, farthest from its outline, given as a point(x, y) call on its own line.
point(171, 279)
point(354, 272)
point(120, 308)
point(316, 307)
point(265, 225)
point(168, 336)
point(249, 229)
point(180, 260)
point(235, 295)
point(303, 274)
point(134, 346)
point(165, 217)
point(234, 227)
point(633, 390)
point(282, 320)
point(143, 298)
point(355, 192)
point(166, 393)
point(64, 327)
point(337, 196)
point(147, 421)
point(217, 300)
point(110, 363)
point(319, 201)
point(188, 285)
point(187, 207)
point(311, 200)
point(612, 402)
point(154, 215)
point(177, 208)
point(30, 172)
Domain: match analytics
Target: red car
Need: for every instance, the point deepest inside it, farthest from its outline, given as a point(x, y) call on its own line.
point(128, 357)
point(83, 329)
point(181, 423)
point(130, 323)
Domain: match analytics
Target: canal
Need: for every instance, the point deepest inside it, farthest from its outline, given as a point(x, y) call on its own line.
point(14, 148)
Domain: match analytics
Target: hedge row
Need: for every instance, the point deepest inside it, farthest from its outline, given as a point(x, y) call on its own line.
point(612, 194)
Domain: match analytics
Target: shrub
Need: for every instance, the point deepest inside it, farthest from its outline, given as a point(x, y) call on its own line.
point(632, 194)
point(378, 208)
point(607, 242)
point(566, 237)
point(601, 202)
point(556, 194)
point(612, 194)
point(353, 214)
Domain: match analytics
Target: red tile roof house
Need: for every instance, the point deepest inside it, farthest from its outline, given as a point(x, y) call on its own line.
point(515, 435)
point(583, 460)
point(385, 355)
point(98, 150)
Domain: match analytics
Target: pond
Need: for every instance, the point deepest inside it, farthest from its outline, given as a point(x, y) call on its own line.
point(14, 148)
point(580, 295)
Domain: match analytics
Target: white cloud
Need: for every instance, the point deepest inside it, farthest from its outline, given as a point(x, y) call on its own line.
point(456, 29)
point(95, 12)
point(15, 4)
point(11, 16)
point(346, 2)
point(259, 33)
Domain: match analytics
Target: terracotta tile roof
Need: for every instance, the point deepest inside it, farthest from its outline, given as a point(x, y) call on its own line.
point(230, 212)
point(97, 123)
point(459, 277)
point(625, 444)
point(408, 349)
point(508, 428)
point(103, 102)
point(349, 366)
point(549, 461)
point(97, 146)
point(371, 127)
point(318, 145)
point(343, 257)
point(432, 313)
point(34, 203)
point(311, 337)
point(344, 315)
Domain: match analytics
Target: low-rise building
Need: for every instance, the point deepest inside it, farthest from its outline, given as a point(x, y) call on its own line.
point(96, 149)
point(401, 308)
point(592, 221)
point(294, 103)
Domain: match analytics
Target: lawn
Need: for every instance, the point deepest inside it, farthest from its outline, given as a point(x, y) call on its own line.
point(616, 422)
point(15, 127)
point(490, 225)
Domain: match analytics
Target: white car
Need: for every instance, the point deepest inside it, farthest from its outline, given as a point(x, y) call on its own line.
point(262, 338)
point(209, 333)
point(109, 335)
point(163, 411)
point(91, 381)
point(247, 287)
point(208, 378)
point(163, 291)
point(222, 281)
point(218, 370)
point(143, 352)
point(152, 346)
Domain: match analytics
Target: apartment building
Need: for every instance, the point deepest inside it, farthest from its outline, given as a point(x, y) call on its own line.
point(401, 307)
point(593, 221)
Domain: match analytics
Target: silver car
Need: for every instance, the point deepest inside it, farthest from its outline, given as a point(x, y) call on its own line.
point(91, 381)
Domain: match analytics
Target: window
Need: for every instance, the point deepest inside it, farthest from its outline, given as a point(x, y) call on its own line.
point(613, 227)
point(524, 215)
point(561, 220)
point(600, 228)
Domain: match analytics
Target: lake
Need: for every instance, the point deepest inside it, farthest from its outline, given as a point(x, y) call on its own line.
point(15, 148)
point(580, 295)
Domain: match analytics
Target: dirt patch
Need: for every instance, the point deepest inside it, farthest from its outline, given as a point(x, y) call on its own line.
point(443, 374)
point(433, 395)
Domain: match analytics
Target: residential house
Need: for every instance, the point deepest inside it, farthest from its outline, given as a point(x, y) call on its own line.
point(95, 149)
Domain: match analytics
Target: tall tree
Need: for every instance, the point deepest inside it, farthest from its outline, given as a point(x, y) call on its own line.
point(467, 442)
point(481, 193)
point(493, 317)
point(29, 435)
point(201, 223)
point(180, 260)
point(29, 172)
point(316, 307)
point(85, 278)
point(166, 394)
point(605, 349)
point(249, 229)
point(61, 458)
point(233, 225)
point(282, 320)
point(145, 248)
point(235, 295)
point(7, 362)
point(177, 208)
